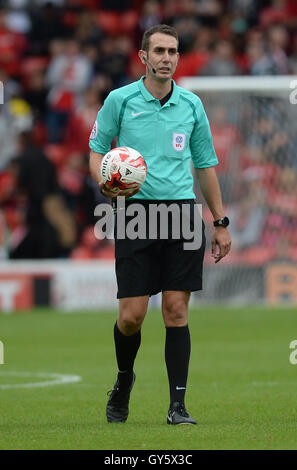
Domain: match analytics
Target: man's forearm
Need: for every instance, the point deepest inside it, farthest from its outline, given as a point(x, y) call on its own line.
point(210, 189)
point(95, 164)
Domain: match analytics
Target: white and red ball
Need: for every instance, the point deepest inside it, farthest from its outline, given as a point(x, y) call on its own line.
point(123, 168)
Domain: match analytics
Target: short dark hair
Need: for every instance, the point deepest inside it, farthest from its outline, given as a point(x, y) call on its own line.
point(158, 28)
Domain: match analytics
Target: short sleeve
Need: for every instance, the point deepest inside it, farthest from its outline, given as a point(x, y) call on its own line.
point(201, 144)
point(106, 126)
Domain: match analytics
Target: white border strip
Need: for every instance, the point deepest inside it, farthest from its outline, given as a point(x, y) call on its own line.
point(238, 83)
point(57, 379)
point(52, 266)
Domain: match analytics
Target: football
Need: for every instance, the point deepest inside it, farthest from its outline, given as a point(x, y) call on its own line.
point(123, 168)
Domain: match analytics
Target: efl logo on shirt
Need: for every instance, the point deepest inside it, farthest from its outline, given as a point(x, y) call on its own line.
point(178, 141)
point(94, 131)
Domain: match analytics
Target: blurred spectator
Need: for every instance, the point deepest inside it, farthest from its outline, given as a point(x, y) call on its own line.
point(113, 59)
point(17, 18)
point(192, 62)
point(293, 57)
point(281, 149)
point(103, 85)
point(278, 40)
point(12, 46)
point(46, 26)
point(248, 9)
point(150, 15)
point(260, 62)
point(50, 231)
point(248, 214)
point(209, 12)
point(8, 135)
point(10, 87)
point(222, 61)
point(283, 195)
point(91, 248)
point(254, 160)
point(67, 77)
point(169, 10)
point(278, 11)
point(263, 127)
point(69, 71)
point(205, 39)
point(186, 23)
point(82, 120)
point(87, 30)
point(276, 143)
point(36, 95)
point(226, 138)
point(70, 177)
point(15, 117)
point(21, 113)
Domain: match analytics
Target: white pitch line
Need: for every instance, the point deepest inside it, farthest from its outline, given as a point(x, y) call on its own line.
point(57, 379)
point(268, 384)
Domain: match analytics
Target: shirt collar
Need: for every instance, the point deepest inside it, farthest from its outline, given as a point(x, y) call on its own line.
point(149, 97)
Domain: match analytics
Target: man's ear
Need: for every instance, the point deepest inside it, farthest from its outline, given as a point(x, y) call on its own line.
point(143, 56)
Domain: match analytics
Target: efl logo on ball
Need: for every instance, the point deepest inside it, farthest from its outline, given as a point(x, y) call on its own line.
point(123, 168)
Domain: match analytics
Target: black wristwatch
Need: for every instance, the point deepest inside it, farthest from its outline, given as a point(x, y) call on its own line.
point(223, 222)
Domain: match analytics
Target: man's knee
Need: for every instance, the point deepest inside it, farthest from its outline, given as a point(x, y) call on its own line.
point(131, 315)
point(175, 312)
point(129, 324)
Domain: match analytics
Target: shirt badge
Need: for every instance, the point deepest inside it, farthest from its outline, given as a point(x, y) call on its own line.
point(178, 141)
point(94, 131)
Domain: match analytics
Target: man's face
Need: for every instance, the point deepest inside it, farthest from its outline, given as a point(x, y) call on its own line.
point(163, 56)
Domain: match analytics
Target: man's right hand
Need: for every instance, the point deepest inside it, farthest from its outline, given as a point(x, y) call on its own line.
point(107, 192)
point(95, 165)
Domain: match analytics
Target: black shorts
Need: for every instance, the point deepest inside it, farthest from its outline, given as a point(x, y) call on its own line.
point(153, 264)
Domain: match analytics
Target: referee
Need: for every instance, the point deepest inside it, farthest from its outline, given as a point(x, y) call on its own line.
point(169, 127)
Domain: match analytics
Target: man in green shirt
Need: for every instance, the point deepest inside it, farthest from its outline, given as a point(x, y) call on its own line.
point(169, 127)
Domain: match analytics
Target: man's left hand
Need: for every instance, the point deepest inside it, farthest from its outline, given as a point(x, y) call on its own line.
point(220, 243)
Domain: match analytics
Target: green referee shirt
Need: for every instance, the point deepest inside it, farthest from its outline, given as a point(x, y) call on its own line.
point(168, 137)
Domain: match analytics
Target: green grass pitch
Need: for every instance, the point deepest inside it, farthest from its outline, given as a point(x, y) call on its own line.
point(242, 388)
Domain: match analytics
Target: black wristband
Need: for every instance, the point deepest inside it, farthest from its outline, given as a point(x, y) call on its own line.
point(223, 222)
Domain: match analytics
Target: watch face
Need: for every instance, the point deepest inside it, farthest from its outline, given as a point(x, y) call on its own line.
point(225, 221)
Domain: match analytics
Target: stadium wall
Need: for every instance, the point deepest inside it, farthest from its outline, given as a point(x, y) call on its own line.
point(91, 285)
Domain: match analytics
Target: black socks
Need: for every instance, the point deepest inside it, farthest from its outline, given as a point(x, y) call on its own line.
point(126, 349)
point(177, 357)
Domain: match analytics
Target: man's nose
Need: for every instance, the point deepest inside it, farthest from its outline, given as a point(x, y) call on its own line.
point(166, 57)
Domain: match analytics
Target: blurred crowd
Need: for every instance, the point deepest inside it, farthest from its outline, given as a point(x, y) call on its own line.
point(254, 139)
point(58, 61)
